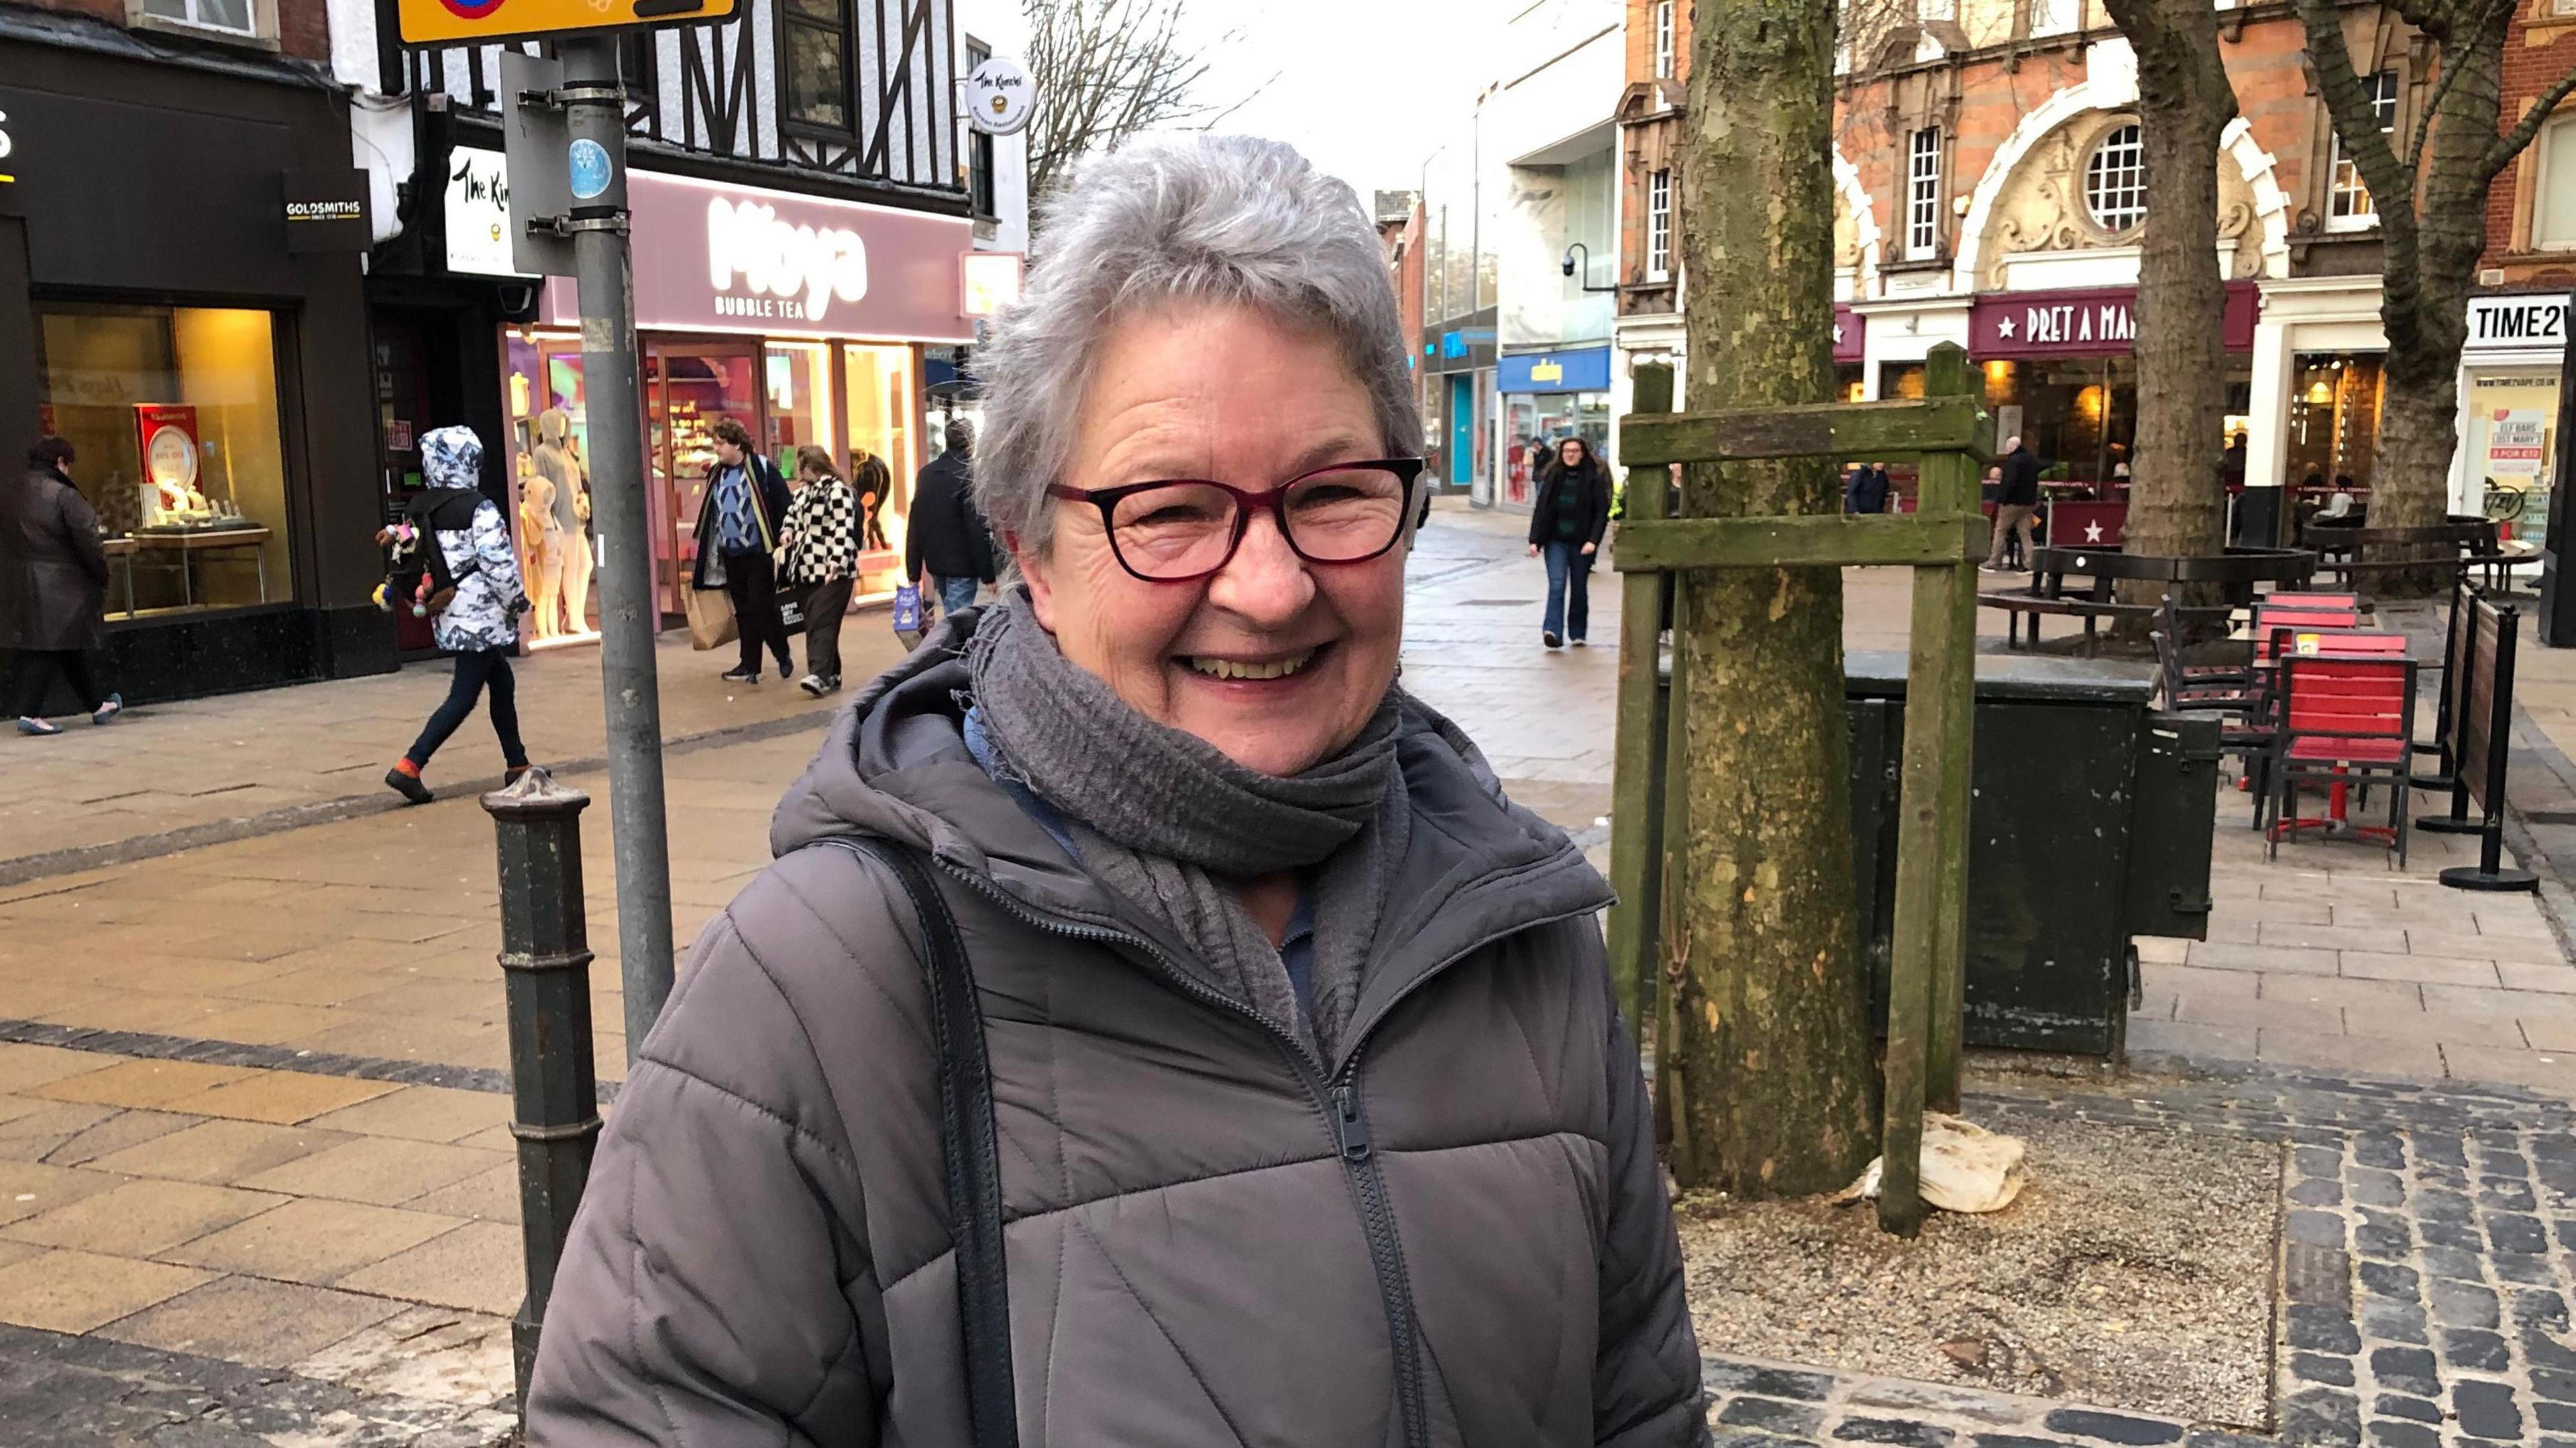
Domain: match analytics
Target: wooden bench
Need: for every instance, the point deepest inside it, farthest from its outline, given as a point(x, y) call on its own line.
point(2081, 583)
point(2454, 547)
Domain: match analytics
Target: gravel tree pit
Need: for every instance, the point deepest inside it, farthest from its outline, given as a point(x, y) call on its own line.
point(2135, 1271)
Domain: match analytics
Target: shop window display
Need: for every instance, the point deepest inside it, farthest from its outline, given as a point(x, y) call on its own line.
point(2511, 432)
point(2334, 418)
point(550, 467)
point(174, 412)
point(881, 426)
point(2079, 416)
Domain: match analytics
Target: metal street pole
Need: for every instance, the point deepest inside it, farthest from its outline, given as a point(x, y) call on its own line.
point(595, 106)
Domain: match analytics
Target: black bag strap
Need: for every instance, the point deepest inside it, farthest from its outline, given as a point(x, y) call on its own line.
point(970, 1149)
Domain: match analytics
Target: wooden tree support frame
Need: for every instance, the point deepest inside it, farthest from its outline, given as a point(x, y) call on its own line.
point(1951, 436)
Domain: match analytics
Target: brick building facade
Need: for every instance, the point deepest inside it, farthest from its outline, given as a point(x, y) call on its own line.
point(1989, 191)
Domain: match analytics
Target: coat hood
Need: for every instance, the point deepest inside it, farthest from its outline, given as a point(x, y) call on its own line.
point(895, 765)
point(451, 457)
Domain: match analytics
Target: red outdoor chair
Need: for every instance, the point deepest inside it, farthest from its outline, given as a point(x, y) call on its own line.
point(2302, 599)
point(2269, 616)
point(2346, 722)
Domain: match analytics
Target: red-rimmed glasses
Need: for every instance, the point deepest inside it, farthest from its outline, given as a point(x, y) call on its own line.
point(1180, 529)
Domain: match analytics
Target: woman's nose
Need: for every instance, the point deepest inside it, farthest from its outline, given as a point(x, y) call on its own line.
point(1265, 582)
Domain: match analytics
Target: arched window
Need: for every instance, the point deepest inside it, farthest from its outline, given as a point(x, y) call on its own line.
point(2115, 180)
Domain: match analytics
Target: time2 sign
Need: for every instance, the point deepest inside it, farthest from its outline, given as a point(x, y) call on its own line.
point(446, 22)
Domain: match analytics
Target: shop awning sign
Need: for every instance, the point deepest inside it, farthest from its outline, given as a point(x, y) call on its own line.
point(1584, 369)
point(714, 257)
point(1000, 97)
point(326, 210)
point(2091, 322)
point(1851, 335)
point(478, 213)
point(2522, 320)
point(451, 22)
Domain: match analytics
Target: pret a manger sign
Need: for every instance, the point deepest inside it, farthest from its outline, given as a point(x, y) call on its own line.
point(769, 269)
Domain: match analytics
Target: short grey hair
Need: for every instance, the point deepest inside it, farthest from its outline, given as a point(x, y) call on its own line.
point(1223, 219)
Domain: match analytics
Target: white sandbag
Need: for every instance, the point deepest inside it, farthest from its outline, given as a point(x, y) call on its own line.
point(1966, 1168)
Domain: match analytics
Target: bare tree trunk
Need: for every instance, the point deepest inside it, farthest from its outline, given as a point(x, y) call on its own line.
point(1771, 1088)
point(2177, 503)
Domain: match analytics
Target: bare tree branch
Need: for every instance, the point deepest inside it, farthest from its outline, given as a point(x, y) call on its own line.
point(1108, 69)
point(2513, 142)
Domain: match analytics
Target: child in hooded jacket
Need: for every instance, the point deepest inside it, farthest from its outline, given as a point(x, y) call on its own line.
point(472, 590)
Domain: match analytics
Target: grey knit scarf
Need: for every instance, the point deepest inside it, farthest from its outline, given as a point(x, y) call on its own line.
point(1165, 819)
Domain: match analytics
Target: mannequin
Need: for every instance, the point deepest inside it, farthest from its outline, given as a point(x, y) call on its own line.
point(570, 523)
point(540, 544)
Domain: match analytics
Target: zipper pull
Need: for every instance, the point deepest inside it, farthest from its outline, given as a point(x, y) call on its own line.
point(1349, 1126)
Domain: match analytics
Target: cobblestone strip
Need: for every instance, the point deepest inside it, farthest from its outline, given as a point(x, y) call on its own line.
point(268, 1058)
point(1771, 1405)
point(57, 1390)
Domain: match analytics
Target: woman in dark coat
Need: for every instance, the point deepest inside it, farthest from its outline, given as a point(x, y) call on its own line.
point(1566, 523)
point(57, 580)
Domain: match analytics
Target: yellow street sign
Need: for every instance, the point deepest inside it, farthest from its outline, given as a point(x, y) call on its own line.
point(450, 22)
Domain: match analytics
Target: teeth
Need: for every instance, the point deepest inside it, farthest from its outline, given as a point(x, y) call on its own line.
point(1236, 669)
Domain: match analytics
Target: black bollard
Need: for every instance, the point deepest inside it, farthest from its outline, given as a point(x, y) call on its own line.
point(545, 961)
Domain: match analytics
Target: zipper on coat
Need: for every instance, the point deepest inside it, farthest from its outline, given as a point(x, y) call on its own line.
point(1344, 1116)
point(1386, 1253)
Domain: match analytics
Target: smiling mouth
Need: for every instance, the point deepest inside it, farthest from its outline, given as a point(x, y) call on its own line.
point(1250, 669)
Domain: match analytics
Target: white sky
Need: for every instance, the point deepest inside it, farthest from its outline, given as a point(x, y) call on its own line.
point(1363, 86)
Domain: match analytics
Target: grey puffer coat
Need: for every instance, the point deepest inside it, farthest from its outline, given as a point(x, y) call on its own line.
point(1479, 1252)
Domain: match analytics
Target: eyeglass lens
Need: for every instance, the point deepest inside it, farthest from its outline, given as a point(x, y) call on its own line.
point(1180, 530)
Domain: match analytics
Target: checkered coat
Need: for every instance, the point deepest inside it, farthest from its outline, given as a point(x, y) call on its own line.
point(822, 533)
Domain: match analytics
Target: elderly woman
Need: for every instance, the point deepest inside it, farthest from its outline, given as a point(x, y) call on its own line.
point(1312, 1118)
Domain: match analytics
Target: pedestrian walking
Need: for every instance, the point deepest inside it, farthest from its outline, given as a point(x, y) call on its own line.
point(1286, 1101)
point(948, 549)
point(872, 482)
point(737, 543)
point(1567, 518)
point(2016, 503)
point(1866, 492)
point(53, 583)
point(464, 572)
point(823, 561)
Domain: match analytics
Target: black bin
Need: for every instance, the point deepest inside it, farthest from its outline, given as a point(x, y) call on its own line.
point(2091, 824)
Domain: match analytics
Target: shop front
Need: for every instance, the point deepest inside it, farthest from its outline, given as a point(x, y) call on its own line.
point(2061, 374)
point(1851, 355)
point(2314, 414)
point(2509, 374)
point(803, 318)
point(1547, 398)
point(1458, 414)
point(180, 299)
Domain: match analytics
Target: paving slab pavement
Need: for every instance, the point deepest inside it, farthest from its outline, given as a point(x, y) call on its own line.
point(201, 771)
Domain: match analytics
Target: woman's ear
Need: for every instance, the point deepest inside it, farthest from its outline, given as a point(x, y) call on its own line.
point(1032, 566)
